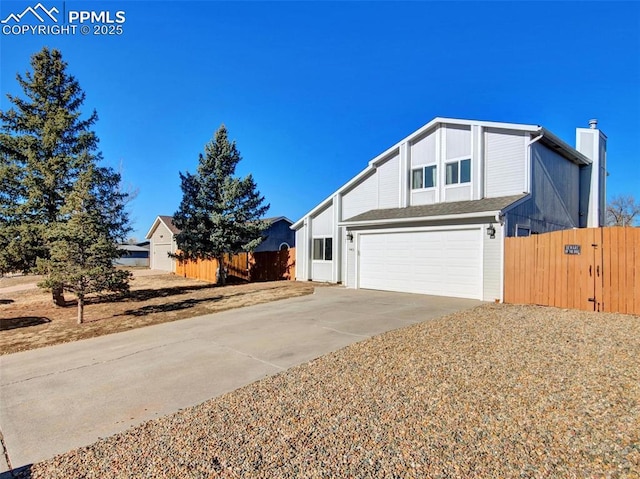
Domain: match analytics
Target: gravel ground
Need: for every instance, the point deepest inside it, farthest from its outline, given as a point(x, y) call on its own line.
point(497, 391)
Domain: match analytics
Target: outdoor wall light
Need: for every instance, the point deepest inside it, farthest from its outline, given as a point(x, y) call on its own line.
point(491, 231)
point(350, 237)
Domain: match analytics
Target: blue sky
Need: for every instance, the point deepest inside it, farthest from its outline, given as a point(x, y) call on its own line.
point(311, 91)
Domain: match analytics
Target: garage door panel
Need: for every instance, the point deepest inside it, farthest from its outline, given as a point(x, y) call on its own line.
point(445, 263)
point(161, 259)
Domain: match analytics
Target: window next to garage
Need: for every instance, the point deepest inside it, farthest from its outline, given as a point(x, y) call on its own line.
point(458, 172)
point(322, 249)
point(423, 177)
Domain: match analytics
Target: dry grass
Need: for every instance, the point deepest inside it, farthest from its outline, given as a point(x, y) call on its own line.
point(28, 320)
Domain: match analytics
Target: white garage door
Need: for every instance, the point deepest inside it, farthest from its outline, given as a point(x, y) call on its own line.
point(443, 263)
point(161, 258)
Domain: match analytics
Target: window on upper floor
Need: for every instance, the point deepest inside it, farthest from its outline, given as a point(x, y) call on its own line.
point(417, 179)
point(458, 172)
point(322, 249)
point(424, 177)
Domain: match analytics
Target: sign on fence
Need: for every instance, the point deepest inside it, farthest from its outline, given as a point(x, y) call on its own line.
point(572, 249)
point(594, 269)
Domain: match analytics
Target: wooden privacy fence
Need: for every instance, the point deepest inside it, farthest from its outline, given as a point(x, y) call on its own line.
point(263, 266)
point(593, 269)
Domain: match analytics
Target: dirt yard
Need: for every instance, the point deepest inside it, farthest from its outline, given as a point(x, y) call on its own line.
point(28, 320)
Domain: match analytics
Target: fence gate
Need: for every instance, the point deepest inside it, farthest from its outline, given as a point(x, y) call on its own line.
point(593, 269)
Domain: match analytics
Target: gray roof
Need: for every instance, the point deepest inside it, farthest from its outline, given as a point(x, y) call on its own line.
point(275, 219)
point(438, 209)
point(168, 220)
point(132, 247)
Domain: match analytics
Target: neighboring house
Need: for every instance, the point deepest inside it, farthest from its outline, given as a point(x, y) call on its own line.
point(429, 214)
point(162, 240)
point(133, 255)
point(278, 235)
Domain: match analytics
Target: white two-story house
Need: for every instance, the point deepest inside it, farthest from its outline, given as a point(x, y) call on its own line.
point(430, 214)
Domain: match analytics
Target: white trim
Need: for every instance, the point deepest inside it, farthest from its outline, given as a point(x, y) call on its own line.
point(336, 245)
point(458, 160)
point(474, 227)
point(323, 237)
point(416, 219)
point(404, 165)
point(155, 225)
point(408, 139)
point(439, 161)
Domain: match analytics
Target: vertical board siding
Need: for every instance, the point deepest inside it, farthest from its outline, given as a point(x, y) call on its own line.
point(261, 266)
point(555, 186)
point(389, 183)
point(605, 276)
point(505, 163)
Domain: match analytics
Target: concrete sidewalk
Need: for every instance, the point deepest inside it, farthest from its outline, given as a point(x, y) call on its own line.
point(62, 397)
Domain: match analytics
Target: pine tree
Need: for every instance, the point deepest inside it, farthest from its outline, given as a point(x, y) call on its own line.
point(219, 213)
point(44, 146)
point(83, 244)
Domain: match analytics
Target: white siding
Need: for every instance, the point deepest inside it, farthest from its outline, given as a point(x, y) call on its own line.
point(423, 151)
point(350, 280)
point(361, 198)
point(301, 250)
point(458, 141)
point(492, 253)
point(161, 244)
point(423, 197)
point(322, 271)
point(323, 222)
point(505, 163)
point(458, 193)
point(389, 183)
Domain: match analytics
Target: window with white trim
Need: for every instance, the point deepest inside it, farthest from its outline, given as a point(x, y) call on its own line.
point(458, 172)
point(322, 249)
point(523, 231)
point(424, 177)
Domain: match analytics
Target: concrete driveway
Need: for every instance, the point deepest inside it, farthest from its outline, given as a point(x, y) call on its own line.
point(62, 397)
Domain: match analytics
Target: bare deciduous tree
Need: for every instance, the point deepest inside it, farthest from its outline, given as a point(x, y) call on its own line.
point(623, 210)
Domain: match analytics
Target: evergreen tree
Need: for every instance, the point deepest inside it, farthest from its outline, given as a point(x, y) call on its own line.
point(44, 146)
point(83, 243)
point(219, 213)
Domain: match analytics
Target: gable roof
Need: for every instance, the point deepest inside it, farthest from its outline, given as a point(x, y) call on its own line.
point(275, 219)
point(168, 222)
point(545, 136)
point(483, 207)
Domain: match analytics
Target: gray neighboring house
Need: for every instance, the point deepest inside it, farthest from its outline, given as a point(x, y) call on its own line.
point(278, 235)
point(429, 215)
point(162, 233)
point(133, 255)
